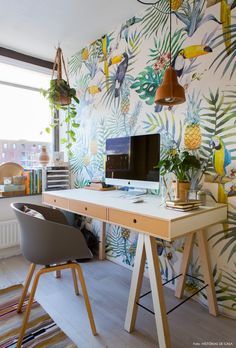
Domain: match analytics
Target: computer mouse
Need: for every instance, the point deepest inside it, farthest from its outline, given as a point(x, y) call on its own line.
point(138, 200)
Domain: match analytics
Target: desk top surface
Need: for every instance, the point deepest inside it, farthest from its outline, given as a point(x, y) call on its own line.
point(152, 205)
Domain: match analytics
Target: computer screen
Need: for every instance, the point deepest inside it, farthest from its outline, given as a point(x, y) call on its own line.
point(130, 161)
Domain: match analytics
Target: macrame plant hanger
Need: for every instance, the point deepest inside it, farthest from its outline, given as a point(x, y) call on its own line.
point(58, 67)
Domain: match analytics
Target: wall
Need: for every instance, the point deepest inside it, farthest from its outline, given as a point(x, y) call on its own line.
point(115, 104)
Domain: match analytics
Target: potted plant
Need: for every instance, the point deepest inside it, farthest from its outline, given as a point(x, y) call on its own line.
point(183, 165)
point(62, 97)
point(59, 93)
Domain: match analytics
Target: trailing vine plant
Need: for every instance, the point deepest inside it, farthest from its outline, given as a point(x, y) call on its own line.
point(63, 98)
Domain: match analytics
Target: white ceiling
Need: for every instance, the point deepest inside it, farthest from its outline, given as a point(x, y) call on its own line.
point(35, 27)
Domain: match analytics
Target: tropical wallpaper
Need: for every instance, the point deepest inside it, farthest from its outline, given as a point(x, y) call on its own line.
point(116, 78)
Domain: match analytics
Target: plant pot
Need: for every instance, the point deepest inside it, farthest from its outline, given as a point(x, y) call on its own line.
point(43, 156)
point(63, 101)
point(62, 97)
point(181, 189)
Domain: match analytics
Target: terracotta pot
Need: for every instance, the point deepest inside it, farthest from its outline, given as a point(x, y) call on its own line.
point(63, 101)
point(43, 156)
point(181, 189)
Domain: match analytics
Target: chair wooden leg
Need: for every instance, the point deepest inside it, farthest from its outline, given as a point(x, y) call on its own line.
point(73, 267)
point(26, 287)
point(28, 309)
point(75, 281)
point(86, 298)
point(188, 247)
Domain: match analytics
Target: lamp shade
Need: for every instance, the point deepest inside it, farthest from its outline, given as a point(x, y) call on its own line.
point(170, 92)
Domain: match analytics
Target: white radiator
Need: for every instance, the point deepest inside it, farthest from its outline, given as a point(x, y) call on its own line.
point(9, 234)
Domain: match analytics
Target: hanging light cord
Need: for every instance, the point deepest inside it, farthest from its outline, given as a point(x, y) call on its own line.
point(170, 35)
point(172, 89)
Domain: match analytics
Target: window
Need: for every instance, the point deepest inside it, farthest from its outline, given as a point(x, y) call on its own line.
point(24, 113)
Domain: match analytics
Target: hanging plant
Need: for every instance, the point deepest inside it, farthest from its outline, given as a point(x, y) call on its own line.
point(62, 97)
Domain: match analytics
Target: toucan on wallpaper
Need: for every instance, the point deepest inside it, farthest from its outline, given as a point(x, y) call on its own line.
point(116, 78)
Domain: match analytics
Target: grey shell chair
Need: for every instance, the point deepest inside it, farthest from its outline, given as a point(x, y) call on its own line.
point(52, 243)
point(49, 241)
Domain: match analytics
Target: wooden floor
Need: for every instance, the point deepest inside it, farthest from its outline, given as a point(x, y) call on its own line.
point(108, 287)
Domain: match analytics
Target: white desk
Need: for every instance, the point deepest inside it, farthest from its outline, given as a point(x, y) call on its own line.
point(151, 221)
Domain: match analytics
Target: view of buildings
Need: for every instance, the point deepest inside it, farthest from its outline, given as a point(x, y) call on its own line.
point(24, 152)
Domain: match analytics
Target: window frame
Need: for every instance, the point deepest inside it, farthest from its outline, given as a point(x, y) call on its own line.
point(32, 63)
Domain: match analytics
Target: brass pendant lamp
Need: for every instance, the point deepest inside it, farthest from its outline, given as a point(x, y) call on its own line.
point(170, 92)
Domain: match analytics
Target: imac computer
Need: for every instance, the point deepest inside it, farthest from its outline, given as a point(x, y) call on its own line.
point(130, 161)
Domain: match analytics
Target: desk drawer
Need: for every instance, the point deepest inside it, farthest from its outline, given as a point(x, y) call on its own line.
point(55, 201)
point(155, 227)
point(88, 209)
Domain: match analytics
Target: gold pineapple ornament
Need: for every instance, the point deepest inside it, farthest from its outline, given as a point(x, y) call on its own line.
point(85, 54)
point(175, 4)
point(192, 133)
point(192, 136)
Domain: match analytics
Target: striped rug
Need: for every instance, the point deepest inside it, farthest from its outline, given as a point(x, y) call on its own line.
point(42, 330)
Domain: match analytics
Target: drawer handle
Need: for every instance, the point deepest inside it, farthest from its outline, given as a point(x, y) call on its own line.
point(86, 208)
point(134, 221)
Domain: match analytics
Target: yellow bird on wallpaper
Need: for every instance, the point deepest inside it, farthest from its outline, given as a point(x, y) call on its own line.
point(189, 52)
point(194, 51)
point(222, 157)
point(94, 89)
point(221, 160)
point(116, 60)
point(105, 47)
point(225, 18)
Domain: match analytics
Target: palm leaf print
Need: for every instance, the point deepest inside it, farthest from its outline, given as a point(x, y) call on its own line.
point(155, 17)
point(162, 45)
point(228, 236)
point(227, 57)
point(216, 121)
point(165, 124)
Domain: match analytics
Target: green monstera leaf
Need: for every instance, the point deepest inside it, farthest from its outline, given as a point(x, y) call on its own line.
point(147, 83)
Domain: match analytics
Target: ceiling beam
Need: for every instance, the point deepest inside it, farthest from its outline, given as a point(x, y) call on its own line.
point(5, 52)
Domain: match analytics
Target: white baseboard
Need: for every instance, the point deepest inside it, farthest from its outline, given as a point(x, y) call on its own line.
point(8, 252)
